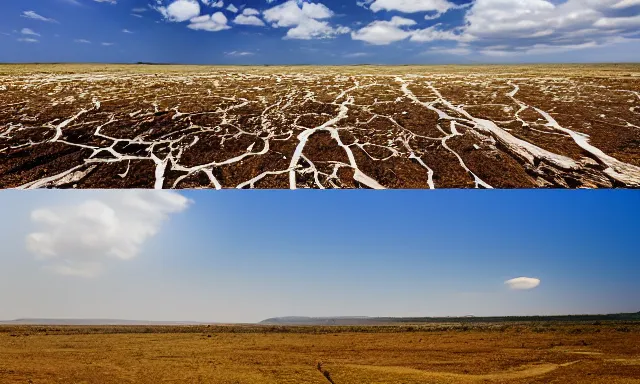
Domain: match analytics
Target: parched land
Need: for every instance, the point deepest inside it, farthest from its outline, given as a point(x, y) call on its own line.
point(607, 353)
point(145, 126)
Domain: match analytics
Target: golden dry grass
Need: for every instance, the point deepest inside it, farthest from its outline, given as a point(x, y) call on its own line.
point(440, 354)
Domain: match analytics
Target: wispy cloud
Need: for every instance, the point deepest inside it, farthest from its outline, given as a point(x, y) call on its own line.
point(34, 16)
point(239, 53)
point(81, 41)
point(27, 31)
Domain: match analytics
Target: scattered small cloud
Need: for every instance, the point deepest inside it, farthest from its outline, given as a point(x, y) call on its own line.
point(211, 23)
point(27, 31)
point(34, 16)
point(356, 54)
point(249, 17)
point(81, 41)
point(180, 10)
point(126, 31)
point(522, 283)
point(108, 44)
point(239, 53)
point(27, 40)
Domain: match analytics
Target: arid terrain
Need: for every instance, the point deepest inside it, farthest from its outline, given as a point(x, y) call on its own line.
point(607, 353)
point(146, 126)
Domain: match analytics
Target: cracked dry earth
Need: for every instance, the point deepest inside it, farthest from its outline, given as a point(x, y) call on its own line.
point(320, 128)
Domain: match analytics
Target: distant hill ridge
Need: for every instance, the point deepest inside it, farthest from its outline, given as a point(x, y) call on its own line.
point(355, 320)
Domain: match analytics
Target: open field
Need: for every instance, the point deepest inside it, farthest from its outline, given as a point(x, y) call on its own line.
point(147, 126)
point(607, 352)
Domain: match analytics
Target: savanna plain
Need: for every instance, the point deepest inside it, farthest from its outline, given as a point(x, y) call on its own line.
point(165, 126)
point(594, 352)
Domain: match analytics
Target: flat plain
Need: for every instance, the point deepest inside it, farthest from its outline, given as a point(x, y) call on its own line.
point(156, 126)
point(605, 352)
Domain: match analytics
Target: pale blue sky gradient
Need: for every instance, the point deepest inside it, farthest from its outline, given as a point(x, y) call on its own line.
point(246, 256)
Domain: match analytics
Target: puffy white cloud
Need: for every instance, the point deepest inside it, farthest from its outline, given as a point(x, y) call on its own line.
point(382, 32)
point(249, 16)
point(305, 20)
point(434, 34)
point(180, 10)
point(522, 283)
point(250, 12)
point(211, 23)
point(411, 6)
point(513, 27)
point(523, 25)
point(248, 20)
point(78, 239)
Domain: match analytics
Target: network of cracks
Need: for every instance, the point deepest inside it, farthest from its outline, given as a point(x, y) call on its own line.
point(318, 130)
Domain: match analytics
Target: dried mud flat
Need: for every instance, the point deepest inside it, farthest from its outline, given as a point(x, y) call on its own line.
point(604, 354)
point(319, 127)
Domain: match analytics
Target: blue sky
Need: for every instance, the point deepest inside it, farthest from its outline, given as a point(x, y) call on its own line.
point(320, 32)
point(243, 257)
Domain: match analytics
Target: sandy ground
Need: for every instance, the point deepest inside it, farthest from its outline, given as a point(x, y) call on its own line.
point(493, 354)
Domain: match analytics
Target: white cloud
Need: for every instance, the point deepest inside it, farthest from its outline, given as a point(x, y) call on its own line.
point(305, 20)
point(27, 31)
point(411, 6)
point(108, 44)
point(232, 8)
point(381, 32)
point(139, 10)
point(180, 10)
point(522, 283)
point(248, 20)
point(524, 24)
point(82, 41)
point(78, 239)
point(239, 53)
point(126, 31)
point(27, 40)
point(107, 1)
point(250, 12)
point(213, 3)
point(35, 16)
point(214, 23)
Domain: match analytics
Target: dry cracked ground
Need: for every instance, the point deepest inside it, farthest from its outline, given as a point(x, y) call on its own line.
point(314, 127)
